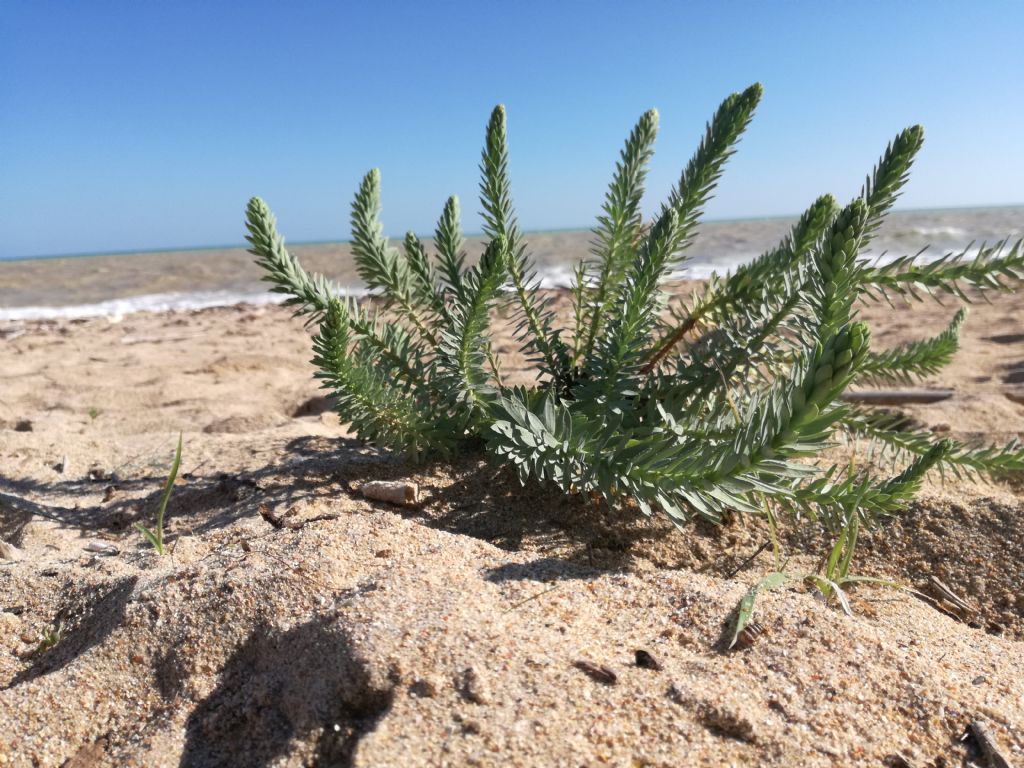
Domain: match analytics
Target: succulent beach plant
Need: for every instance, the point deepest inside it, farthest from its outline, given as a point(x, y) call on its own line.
point(689, 409)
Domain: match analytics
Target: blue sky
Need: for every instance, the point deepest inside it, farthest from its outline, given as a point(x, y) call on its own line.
point(140, 125)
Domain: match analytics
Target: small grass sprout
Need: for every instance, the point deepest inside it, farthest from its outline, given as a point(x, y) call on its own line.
point(156, 538)
point(49, 638)
point(829, 580)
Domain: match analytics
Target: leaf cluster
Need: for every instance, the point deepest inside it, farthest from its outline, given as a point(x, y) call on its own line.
point(723, 403)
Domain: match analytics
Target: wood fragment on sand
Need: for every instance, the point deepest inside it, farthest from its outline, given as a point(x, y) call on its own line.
point(948, 594)
point(400, 492)
point(1015, 397)
point(748, 561)
point(948, 601)
point(158, 339)
point(280, 521)
point(898, 396)
point(531, 597)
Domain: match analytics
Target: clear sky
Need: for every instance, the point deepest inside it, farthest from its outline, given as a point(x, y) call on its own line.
point(140, 125)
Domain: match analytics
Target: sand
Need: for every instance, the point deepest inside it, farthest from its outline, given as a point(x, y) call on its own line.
point(296, 623)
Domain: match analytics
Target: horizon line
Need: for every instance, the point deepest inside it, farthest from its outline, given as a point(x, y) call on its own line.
point(547, 231)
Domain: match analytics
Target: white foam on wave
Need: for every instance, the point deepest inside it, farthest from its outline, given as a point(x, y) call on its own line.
point(939, 231)
point(550, 276)
point(702, 271)
point(556, 276)
point(922, 257)
point(115, 309)
point(563, 275)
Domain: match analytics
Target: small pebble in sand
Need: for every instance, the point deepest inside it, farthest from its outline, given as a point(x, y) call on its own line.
point(9, 626)
point(393, 491)
point(101, 548)
point(9, 551)
point(644, 660)
point(749, 635)
point(424, 688)
point(97, 474)
point(471, 687)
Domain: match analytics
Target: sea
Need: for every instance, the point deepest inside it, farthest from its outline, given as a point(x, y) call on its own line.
point(113, 285)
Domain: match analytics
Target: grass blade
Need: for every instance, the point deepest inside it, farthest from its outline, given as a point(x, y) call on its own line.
point(745, 609)
point(157, 538)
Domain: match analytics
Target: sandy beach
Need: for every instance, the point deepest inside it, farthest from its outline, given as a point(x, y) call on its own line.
point(296, 623)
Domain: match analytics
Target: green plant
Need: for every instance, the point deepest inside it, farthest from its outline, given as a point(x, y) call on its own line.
point(689, 410)
point(829, 579)
point(49, 638)
point(157, 538)
point(94, 413)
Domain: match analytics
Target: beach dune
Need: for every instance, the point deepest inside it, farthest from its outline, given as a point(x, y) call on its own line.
point(295, 622)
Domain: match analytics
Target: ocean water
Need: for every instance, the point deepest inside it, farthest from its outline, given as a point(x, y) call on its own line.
point(116, 285)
